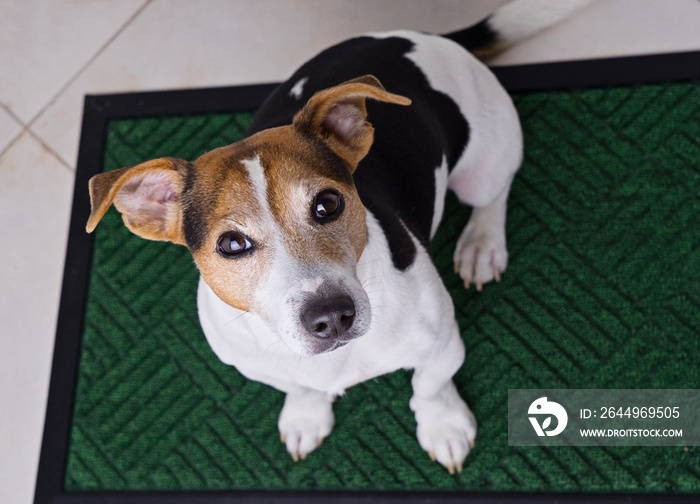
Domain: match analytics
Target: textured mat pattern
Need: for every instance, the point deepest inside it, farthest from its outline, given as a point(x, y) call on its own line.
point(603, 291)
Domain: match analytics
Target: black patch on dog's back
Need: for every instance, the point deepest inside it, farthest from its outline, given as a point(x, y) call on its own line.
point(396, 180)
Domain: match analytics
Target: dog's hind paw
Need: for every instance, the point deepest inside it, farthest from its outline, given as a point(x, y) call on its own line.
point(306, 419)
point(481, 254)
point(446, 428)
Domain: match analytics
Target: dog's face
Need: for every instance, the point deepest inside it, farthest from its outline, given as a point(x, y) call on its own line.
point(274, 222)
point(283, 236)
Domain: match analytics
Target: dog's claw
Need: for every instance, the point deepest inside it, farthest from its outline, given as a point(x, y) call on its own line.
point(445, 427)
point(481, 252)
point(451, 466)
point(306, 419)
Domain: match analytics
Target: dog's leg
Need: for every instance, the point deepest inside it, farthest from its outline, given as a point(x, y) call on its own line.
point(446, 427)
point(482, 177)
point(306, 419)
point(481, 254)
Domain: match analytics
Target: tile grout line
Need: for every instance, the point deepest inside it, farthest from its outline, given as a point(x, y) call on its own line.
point(9, 112)
point(26, 129)
point(48, 149)
point(14, 117)
point(90, 61)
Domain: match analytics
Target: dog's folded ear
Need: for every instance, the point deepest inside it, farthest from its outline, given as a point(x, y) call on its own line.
point(147, 195)
point(338, 115)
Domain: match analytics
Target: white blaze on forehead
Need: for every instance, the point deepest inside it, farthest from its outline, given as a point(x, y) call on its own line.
point(256, 173)
point(298, 88)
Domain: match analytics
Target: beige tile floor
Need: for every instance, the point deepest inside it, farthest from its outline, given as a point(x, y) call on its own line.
point(53, 52)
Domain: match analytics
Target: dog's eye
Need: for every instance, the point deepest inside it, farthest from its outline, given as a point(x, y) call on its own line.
point(232, 244)
point(328, 205)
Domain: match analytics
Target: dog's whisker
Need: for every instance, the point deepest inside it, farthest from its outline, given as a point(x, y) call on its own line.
point(376, 280)
point(236, 318)
point(273, 349)
point(373, 294)
point(364, 261)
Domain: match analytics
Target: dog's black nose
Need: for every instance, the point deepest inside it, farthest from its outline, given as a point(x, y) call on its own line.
point(329, 317)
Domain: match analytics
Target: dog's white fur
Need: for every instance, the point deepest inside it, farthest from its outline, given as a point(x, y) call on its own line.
point(413, 324)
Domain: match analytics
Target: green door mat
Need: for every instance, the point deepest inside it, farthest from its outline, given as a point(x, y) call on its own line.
point(602, 291)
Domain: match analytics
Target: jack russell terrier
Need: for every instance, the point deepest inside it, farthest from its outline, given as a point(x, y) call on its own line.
point(311, 234)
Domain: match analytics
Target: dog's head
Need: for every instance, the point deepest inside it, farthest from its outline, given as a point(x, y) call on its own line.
point(274, 222)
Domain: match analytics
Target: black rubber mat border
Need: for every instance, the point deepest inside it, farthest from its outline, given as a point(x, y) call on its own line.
point(100, 109)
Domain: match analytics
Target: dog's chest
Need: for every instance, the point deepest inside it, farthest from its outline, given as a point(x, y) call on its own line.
point(258, 353)
point(333, 373)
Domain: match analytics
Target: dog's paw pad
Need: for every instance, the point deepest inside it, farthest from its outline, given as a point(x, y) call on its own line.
point(304, 423)
point(481, 255)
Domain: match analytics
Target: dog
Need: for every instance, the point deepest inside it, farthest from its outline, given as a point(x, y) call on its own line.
point(311, 234)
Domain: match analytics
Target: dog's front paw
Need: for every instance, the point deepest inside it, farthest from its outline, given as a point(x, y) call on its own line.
point(446, 428)
point(481, 254)
point(306, 419)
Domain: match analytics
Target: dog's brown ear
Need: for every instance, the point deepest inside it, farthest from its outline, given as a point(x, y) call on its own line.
point(147, 195)
point(338, 115)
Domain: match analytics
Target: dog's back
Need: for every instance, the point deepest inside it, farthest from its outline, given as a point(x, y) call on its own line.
point(404, 177)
